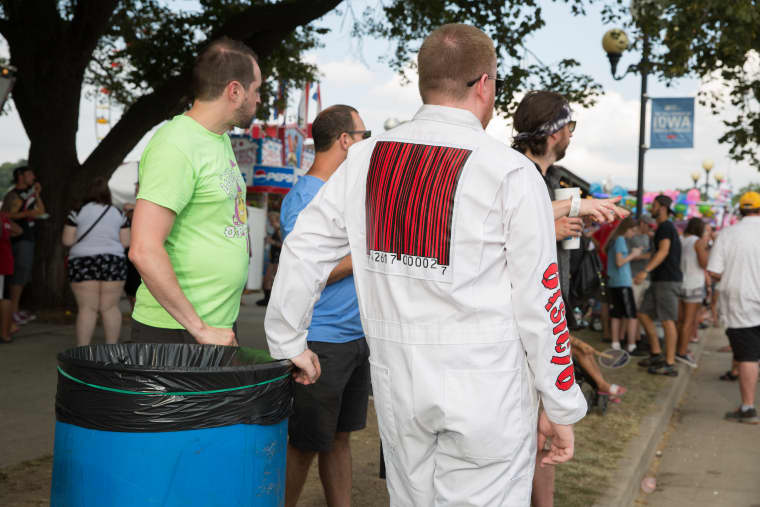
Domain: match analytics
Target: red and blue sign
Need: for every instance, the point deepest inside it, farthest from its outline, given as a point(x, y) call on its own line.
point(273, 180)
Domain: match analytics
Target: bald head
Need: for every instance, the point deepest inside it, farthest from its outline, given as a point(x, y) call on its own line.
point(451, 56)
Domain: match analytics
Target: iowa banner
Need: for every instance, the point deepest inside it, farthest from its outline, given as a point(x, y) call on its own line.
point(672, 123)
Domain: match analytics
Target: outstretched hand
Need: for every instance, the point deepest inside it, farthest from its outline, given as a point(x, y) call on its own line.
point(308, 369)
point(562, 441)
point(603, 210)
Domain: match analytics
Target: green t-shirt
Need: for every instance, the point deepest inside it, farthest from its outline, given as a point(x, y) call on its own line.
point(193, 172)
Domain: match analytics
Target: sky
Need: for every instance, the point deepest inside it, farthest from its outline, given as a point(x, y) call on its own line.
point(603, 148)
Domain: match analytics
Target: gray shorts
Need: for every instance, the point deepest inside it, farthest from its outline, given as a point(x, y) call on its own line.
point(661, 301)
point(23, 262)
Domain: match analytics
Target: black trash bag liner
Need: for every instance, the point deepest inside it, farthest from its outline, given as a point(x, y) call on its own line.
point(152, 387)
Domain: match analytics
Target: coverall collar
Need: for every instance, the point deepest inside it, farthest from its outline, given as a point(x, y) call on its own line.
point(447, 114)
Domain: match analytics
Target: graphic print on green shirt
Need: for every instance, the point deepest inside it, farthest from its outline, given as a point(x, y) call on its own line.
point(192, 171)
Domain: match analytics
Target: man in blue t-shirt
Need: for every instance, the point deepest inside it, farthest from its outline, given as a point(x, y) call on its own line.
point(327, 411)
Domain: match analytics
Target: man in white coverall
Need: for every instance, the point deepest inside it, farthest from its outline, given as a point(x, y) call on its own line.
point(452, 238)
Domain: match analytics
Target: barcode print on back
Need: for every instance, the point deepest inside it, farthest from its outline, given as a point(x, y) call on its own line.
point(410, 198)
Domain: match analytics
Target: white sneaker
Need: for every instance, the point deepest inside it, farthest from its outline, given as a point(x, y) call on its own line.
point(631, 347)
point(615, 345)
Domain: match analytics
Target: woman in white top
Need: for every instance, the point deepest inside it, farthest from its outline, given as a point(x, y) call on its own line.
point(97, 234)
point(693, 263)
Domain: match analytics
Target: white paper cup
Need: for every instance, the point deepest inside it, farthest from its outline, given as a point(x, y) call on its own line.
point(562, 194)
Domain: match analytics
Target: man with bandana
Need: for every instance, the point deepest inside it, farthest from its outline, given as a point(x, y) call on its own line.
point(544, 126)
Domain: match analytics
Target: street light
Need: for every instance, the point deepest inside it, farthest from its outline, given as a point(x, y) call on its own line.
point(707, 165)
point(695, 177)
point(614, 42)
point(7, 78)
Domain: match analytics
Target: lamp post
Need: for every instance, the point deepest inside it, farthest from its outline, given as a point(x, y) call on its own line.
point(695, 178)
point(707, 165)
point(614, 42)
point(7, 78)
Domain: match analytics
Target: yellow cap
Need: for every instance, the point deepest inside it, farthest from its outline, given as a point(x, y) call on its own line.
point(749, 200)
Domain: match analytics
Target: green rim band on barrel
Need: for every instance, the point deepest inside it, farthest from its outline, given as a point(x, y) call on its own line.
point(189, 393)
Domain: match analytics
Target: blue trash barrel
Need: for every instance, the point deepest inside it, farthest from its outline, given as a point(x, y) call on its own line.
point(170, 425)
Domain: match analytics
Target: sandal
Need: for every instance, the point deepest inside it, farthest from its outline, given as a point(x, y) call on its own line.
point(611, 398)
point(729, 376)
point(614, 393)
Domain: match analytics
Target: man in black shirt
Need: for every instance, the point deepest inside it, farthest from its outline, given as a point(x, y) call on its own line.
point(661, 299)
point(24, 205)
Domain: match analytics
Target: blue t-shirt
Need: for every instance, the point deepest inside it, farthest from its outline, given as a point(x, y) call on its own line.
point(336, 314)
point(618, 276)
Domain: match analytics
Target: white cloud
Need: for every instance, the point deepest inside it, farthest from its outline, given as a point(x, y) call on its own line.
point(345, 73)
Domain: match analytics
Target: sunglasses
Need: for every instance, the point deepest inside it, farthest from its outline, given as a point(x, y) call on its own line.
point(571, 126)
point(366, 134)
point(499, 82)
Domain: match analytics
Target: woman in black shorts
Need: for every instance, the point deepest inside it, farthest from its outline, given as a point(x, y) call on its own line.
point(97, 234)
point(620, 284)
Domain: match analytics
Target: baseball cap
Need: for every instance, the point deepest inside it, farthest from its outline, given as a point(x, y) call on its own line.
point(20, 170)
point(749, 200)
point(666, 201)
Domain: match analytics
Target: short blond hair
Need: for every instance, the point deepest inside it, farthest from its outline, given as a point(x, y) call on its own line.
point(451, 56)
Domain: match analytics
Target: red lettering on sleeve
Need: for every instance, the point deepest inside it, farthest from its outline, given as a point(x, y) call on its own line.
point(552, 300)
point(566, 378)
point(551, 278)
point(557, 313)
point(561, 340)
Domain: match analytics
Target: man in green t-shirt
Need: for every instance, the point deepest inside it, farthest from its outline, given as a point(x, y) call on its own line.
point(189, 231)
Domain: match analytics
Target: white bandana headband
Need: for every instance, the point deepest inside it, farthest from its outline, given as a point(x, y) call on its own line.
point(564, 117)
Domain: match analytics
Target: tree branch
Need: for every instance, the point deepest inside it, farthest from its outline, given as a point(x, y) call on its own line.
point(89, 23)
point(144, 114)
point(285, 16)
point(262, 31)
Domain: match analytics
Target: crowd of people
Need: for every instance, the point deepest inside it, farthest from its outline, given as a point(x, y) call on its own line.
point(424, 264)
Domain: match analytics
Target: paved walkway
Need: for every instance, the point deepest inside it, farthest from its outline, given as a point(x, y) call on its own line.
point(708, 461)
point(28, 380)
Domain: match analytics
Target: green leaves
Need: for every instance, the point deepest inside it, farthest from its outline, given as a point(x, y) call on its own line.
point(509, 23)
point(716, 41)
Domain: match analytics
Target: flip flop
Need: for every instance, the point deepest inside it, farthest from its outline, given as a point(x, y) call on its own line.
point(729, 377)
point(610, 397)
point(617, 390)
point(4, 341)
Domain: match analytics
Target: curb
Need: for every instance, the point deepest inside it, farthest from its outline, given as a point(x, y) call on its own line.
point(640, 451)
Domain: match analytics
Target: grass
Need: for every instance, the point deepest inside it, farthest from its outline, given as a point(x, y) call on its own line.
point(601, 439)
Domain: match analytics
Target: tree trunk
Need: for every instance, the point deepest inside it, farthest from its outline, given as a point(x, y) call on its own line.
point(51, 55)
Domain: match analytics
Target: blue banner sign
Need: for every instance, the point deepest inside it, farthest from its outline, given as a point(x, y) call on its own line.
point(672, 123)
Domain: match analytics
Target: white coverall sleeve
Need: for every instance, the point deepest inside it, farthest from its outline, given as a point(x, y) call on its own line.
point(309, 254)
point(536, 297)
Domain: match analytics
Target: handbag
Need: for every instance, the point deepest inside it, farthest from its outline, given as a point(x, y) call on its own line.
point(587, 275)
point(80, 238)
